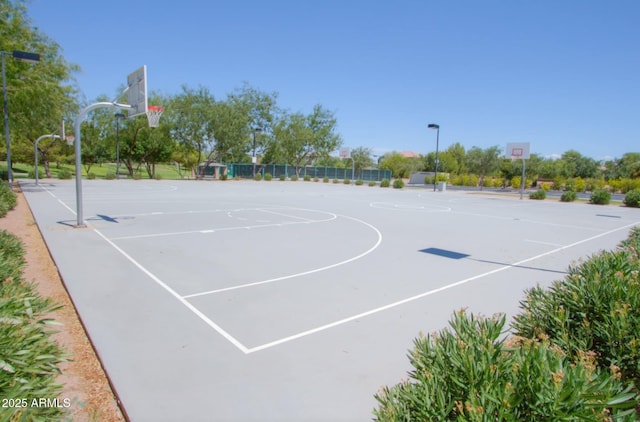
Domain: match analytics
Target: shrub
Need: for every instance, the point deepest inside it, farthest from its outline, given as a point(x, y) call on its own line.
point(359, 182)
point(29, 357)
point(307, 178)
point(594, 310)
point(632, 199)
point(568, 196)
point(385, 183)
point(539, 194)
point(64, 174)
point(258, 177)
point(325, 179)
point(398, 184)
point(224, 176)
point(268, 177)
point(372, 183)
point(347, 181)
point(469, 372)
point(600, 197)
point(110, 176)
point(91, 176)
point(283, 177)
point(294, 178)
point(7, 196)
point(336, 181)
point(315, 179)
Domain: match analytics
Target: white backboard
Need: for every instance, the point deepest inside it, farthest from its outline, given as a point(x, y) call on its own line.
point(137, 91)
point(517, 150)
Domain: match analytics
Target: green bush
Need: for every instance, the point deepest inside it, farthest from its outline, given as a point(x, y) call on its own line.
point(632, 199)
point(268, 177)
point(7, 197)
point(359, 182)
point(315, 179)
point(325, 179)
point(283, 177)
point(91, 176)
point(64, 174)
point(224, 176)
point(568, 196)
point(346, 181)
point(600, 197)
point(385, 183)
point(29, 357)
point(258, 177)
point(307, 178)
point(470, 373)
point(539, 194)
point(336, 181)
point(594, 310)
point(110, 176)
point(294, 178)
point(398, 184)
point(372, 183)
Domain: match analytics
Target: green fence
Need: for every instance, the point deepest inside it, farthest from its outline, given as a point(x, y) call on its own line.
point(276, 170)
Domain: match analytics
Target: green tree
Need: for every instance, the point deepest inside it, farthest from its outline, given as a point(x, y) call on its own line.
point(458, 159)
point(361, 158)
point(577, 165)
point(484, 162)
point(39, 95)
point(396, 162)
point(190, 121)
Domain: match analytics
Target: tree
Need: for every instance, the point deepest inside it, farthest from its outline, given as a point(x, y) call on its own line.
point(190, 121)
point(39, 94)
point(458, 162)
point(396, 162)
point(362, 158)
point(484, 162)
point(576, 165)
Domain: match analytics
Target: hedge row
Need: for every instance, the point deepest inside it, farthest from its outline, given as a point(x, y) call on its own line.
point(574, 354)
point(29, 357)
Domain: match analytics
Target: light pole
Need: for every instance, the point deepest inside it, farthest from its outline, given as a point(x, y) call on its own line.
point(21, 56)
point(254, 159)
point(437, 127)
point(118, 117)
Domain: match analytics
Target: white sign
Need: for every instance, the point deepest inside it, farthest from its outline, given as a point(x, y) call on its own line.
point(517, 150)
point(345, 153)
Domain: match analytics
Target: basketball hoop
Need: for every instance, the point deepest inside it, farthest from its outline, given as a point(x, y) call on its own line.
point(153, 115)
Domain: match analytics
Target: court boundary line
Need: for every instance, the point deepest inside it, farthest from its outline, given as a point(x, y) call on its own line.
point(428, 293)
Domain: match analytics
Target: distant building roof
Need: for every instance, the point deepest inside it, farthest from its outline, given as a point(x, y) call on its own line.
point(410, 154)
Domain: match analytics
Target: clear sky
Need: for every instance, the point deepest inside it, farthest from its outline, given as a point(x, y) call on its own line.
point(559, 74)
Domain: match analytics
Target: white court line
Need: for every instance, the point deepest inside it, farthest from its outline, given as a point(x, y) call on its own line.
point(286, 277)
point(223, 229)
point(428, 293)
point(173, 293)
point(542, 243)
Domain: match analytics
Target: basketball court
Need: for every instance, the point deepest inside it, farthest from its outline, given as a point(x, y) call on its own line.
point(289, 301)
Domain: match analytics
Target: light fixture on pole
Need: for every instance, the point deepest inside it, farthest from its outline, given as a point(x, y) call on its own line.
point(253, 158)
point(21, 56)
point(437, 127)
point(118, 116)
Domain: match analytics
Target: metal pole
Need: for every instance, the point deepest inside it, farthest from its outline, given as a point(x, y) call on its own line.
point(6, 123)
point(522, 181)
point(435, 179)
point(118, 116)
point(253, 159)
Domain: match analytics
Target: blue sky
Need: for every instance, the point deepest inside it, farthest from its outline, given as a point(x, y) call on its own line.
point(559, 74)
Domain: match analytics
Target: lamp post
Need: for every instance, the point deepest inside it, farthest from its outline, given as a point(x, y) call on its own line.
point(254, 159)
point(437, 127)
point(21, 56)
point(118, 117)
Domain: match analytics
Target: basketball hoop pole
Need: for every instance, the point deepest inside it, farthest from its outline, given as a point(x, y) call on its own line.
point(78, 150)
point(522, 181)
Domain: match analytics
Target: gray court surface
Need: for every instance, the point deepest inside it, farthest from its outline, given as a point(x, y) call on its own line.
point(292, 301)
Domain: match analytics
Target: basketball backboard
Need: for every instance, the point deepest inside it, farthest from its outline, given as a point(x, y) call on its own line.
point(517, 150)
point(137, 91)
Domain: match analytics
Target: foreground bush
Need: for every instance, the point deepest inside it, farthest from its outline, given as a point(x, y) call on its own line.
point(398, 184)
point(600, 197)
point(29, 357)
point(595, 309)
point(385, 183)
point(632, 199)
point(539, 194)
point(469, 373)
point(8, 199)
point(568, 196)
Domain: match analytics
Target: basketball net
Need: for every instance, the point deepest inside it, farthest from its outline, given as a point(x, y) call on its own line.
point(153, 115)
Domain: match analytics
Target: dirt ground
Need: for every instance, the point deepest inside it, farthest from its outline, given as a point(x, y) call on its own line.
point(84, 380)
